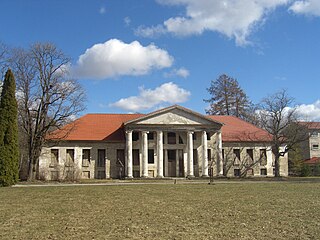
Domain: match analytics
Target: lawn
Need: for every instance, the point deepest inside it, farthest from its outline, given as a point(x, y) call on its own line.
point(252, 210)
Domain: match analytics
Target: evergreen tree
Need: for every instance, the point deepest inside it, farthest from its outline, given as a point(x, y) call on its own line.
point(9, 151)
point(227, 98)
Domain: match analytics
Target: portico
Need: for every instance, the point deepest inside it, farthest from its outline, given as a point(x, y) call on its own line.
point(174, 142)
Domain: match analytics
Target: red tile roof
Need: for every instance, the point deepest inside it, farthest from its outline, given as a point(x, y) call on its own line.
point(238, 130)
point(109, 127)
point(311, 125)
point(96, 127)
point(313, 160)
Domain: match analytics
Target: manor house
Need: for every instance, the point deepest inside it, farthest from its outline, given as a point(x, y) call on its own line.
point(170, 142)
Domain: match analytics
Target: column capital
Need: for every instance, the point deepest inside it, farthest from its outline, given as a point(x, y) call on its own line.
point(146, 132)
point(128, 131)
point(190, 132)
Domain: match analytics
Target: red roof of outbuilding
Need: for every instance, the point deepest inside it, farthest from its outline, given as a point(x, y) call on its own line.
point(109, 127)
point(313, 160)
point(311, 125)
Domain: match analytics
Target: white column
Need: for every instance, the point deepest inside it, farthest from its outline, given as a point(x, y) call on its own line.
point(190, 154)
point(166, 169)
point(145, 154)
point(219, 153)
point(160, 154)
point(177, 162)
point(204, 154)
point(129, 153)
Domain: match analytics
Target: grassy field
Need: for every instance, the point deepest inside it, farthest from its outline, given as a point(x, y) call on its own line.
point(253, 210)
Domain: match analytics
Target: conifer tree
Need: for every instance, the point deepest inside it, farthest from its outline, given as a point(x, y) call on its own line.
point(227, 98)
point(9, 151)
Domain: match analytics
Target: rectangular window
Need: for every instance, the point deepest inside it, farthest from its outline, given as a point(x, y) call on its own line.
point(263, 157)
point(250, 156)
point(171, 155)
point(195, 157)
point(120, 157)
point(263, 172)
point(101, 158)
point(150, 156)
point(222, 154)
point(236, 153)
point(150, 136)
point(135, 136)
point(208, 136)
point(314, 134)
point(209, 155)
point(85, 157)
point(171, 138)
point(70, 157)
point(315, 146)
point(237, 172)
point(194, 136)
point(54, 157)
point(135, 156)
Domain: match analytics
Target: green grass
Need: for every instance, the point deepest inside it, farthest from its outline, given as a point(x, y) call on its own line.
point(274, 210)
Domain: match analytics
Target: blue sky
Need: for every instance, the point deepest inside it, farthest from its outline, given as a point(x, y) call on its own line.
point(138, 56)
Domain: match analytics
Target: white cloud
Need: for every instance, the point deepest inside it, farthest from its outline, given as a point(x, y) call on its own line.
point(309, 112)
point(102, 10)
point(127, 21)
point(180, 72)
point(234, 19)
point(115, 58)
point(307, 7)
point(150, 98)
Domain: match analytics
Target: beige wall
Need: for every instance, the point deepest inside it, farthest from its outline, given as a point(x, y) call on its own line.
point(112, 168)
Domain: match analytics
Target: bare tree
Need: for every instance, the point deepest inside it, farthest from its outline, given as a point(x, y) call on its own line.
point(279, 118)
point(227, 98)
point(47, 98)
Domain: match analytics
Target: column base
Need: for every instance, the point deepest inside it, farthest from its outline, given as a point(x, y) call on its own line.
point(205, 176)
point(159, 176)
point(128, 177)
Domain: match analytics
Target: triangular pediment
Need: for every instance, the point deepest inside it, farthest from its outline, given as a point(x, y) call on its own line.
point(175, 115)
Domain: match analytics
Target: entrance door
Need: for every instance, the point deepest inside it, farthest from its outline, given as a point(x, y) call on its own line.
point(181, 163)
point(172, 163)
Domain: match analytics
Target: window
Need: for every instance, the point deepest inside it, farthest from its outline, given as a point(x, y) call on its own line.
point(194, 136)
point(314, 134)
point(70, 157)
point(120, 157)
point(208, 136)
point(237, 172)
point(315, 146)
point(222, 154)
point(180, 140)
point(171, 138)
point(85, 157)
point(263, 172)
point(101, 158)
point(151, 156)
point(209, 155)
point(263, 157)
point(135, 156)
point(150, 136)
point(135, 136)
point(236, 153)
point(195, 157)
point(54, 157)
point(250, 156)
point(171, 155)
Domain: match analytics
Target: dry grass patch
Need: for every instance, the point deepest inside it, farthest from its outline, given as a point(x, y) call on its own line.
point(182, 211)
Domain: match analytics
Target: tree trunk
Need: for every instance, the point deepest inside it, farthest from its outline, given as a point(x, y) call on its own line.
point(277, 165)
